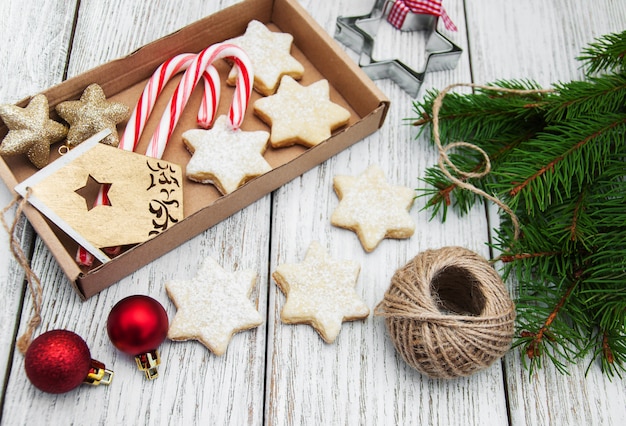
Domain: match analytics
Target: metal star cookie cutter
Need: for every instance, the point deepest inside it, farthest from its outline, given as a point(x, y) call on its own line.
point(359, 33)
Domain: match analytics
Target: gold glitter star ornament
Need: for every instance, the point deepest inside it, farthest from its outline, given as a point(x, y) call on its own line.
point(31, 131)
point(213, 306)
point(320, 292)
point(91, 114)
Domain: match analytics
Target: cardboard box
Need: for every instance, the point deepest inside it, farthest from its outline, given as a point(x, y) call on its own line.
point(123, 80)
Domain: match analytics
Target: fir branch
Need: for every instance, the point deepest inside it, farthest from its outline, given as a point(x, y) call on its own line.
point(444, 194)
point(544, 327)
point(536, 340)
point(583, 98)
point(498, 131)
point(606, 53)
point(558, 161)
point(482, 116)
point(523, 256)
point(613, 352)
point(568, 155)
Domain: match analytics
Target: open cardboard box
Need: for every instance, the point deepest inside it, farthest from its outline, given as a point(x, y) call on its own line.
point(123, 80)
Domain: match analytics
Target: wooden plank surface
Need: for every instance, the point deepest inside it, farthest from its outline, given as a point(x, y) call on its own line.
point(285, 374)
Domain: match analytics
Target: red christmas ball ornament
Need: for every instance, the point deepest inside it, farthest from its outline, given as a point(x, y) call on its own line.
point(59, 360)
point(137, 325)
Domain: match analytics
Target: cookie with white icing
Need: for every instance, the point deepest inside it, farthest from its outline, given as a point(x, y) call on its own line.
point(224, 156)
point(372, 208)
point(213, 306)
point(320, 292)
point(302, 115)
point(270, 54)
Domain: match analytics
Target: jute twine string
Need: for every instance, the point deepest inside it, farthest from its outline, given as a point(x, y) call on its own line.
point(444, 160)
point(34, 284)
point(448, 313)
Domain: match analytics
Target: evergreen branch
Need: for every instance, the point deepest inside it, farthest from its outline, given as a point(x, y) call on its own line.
point(584, 98)
point(610, 348)
point(535, 256)
point(555, 337)
point(569, 151)
point(499, 133)
point(576, 218)
point(614, 350)
point(557, 161)
point(483, 116)
point(444, 194)
point(606, 53)
point(522, 256)
point(606, 348)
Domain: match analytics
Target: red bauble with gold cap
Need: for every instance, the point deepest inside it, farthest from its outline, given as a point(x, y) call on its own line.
point(59, 360)
point(137, 325)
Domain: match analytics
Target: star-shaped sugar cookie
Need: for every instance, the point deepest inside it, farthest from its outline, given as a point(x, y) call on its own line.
point(300, 114)
point(31, 131)
point(91, 114)
point(320, 292)
point(270, 55)
point(372, 208)
point(224, 156)
point(213, 306)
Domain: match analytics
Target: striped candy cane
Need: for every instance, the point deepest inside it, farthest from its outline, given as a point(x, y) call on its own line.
point(190, 79)
point(153, 89)
point(142, 111)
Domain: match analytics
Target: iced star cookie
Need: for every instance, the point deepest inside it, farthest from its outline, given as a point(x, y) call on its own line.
point(300, 114)
point(372, 208)
point(213, 306)
point(270, 55)
point(224, 156)
point(320, 292)
point(92, 113)
point(31, 131)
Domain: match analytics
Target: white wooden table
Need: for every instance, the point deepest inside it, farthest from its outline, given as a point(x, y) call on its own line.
point(284, 374)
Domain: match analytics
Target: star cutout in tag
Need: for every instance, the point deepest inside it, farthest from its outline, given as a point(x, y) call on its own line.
point(372, 208)
point(91, 114)
point(213, 306)
point(320, 292)
point(224, 156)
point(270, 55)
point(31, 131)
point(301, 114)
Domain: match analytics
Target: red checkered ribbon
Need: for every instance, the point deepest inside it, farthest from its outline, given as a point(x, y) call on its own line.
point(401, 8)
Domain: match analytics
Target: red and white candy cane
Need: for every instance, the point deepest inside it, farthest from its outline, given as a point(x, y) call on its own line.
point(153, 89)
point(142, 111)
point(205, 58)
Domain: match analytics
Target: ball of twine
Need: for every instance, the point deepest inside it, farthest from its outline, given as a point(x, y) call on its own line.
point(448, 313)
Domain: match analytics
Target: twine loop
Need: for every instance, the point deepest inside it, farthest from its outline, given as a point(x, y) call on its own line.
point(448, 313)
point(445, 164)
